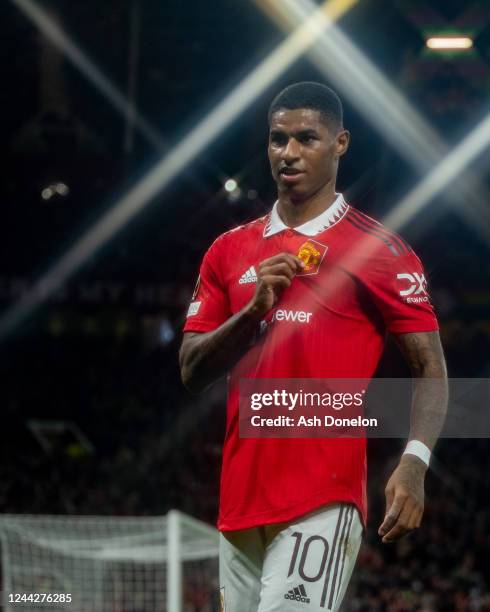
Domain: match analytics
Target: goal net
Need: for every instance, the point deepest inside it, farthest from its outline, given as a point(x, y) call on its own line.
point(108, 564)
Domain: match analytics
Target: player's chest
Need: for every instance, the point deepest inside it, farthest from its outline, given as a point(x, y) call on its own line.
point(322, 282)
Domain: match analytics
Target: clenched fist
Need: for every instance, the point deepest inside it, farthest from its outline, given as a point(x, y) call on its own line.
point(274, 275)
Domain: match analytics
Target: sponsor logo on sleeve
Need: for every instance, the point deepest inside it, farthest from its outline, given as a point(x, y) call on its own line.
point(414, 287)
point(193, 309)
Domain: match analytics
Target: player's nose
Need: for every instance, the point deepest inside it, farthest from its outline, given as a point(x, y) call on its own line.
point(290, 152)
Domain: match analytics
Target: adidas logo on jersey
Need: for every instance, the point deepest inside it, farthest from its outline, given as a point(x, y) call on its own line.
point(250, 276)
point(298, 594)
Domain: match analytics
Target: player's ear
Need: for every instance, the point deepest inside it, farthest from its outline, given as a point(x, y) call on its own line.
point(342, 142)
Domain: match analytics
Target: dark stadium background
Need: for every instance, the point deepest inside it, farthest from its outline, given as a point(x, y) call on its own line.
point(99, 358)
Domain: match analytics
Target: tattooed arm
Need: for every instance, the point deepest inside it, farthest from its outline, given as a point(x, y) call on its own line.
point(405, 489)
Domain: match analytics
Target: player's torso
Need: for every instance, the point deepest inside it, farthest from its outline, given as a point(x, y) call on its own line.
point(320, 328)
point(321, 320)
point(325, 290)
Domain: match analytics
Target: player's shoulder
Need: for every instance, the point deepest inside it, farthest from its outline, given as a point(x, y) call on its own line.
point(241, 235)
point(379, 240)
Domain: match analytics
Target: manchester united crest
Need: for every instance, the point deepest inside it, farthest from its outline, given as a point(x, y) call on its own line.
point(311, 254)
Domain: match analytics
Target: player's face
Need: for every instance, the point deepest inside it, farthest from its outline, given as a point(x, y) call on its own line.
point(303, 152)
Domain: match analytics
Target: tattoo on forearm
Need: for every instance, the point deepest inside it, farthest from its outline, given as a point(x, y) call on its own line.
point(424, 355)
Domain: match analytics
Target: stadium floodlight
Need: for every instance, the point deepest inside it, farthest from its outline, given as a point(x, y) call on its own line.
point(56, 35)
point(442, 175)
point(201, 136)
point(449, 43)
point(59, 188)
point(374, 97)
point(231, 185)
point(384, 106)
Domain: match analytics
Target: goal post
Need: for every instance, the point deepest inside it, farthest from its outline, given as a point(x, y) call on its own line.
point(108, 564)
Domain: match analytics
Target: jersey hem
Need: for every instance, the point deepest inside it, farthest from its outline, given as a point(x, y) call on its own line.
point(270, 517)
point(408, 328)
point(199, 327)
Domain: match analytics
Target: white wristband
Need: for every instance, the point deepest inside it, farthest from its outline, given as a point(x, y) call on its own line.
point(419, 449)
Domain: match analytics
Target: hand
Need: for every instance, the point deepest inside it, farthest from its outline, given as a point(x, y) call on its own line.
point(404, 499)
point(275, 274)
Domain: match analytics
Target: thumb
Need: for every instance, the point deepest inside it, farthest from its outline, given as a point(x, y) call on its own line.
point(389, 511)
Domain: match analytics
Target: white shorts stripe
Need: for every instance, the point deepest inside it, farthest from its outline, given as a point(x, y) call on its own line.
point(343, 511)
point(346, 543)
point(337, 557)
point(342, 544)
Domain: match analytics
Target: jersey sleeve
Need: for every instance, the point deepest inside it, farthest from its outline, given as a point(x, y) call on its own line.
point(398, 287)
point(209, 306)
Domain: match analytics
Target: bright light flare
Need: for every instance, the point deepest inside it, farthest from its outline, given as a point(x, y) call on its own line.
point(58, 37)
point(180, 156)
point(384, 106)
point(47, 193)
point(231, 185)
point(473, 145)
point(449, 43)
point(55, 189)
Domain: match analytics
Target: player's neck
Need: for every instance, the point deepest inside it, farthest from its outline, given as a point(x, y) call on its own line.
point(296, 212)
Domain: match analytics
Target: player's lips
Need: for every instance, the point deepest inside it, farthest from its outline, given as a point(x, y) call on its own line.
point(290, 175)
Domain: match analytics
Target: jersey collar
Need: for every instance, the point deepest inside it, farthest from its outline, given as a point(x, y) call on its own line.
point(315, 226)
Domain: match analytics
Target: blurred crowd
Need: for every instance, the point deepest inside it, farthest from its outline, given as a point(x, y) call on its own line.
point(126, 401)
point(443, 566)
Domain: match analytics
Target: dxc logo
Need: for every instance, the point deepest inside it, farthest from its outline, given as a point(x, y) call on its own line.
point(417, 283)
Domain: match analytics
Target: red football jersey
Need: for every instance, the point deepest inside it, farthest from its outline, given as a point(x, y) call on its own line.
point(360, 280)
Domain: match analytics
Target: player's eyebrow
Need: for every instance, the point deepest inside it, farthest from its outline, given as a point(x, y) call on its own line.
point(277, 133)
point(300, 134)
point(307, 132)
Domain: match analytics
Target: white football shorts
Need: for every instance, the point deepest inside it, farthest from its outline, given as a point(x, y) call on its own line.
point(304, 565)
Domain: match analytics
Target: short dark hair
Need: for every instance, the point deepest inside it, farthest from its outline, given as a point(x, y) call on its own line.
point(308, 94)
